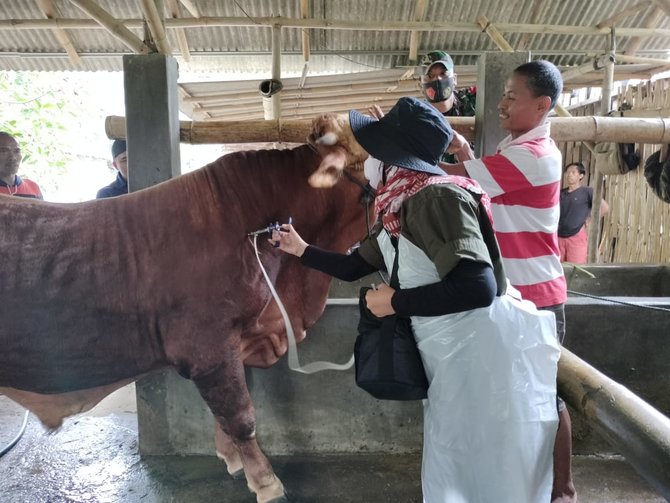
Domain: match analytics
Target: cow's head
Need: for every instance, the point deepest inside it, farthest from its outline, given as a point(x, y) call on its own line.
point(332, 136)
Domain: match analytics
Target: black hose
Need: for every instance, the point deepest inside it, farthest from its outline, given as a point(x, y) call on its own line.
point(11, 444)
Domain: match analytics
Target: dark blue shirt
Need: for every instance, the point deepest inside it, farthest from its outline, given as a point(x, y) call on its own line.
point(575, 210)
point(117, 188)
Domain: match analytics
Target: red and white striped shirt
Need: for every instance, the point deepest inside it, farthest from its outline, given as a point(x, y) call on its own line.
point(523, 180)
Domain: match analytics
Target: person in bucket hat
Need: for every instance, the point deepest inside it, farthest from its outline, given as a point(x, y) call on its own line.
point(412, 135)
point(450, 276)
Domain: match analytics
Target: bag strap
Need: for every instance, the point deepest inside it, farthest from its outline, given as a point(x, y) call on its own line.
point(393, 281)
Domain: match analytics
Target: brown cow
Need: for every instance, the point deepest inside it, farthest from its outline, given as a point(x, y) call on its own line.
point(96, 294)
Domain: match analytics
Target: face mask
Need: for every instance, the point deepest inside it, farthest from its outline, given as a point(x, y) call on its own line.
point(373, 169)
point(439, 89)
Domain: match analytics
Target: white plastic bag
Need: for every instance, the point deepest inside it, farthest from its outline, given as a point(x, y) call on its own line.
point(490, 419)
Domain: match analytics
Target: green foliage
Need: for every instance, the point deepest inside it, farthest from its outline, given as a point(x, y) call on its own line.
point(33, 110)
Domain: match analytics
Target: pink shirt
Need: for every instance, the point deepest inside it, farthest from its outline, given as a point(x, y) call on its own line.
point(523, 180)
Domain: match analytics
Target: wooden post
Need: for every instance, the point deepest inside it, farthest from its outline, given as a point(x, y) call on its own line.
point(606, 103)
point(152, 109)
point(493, 68)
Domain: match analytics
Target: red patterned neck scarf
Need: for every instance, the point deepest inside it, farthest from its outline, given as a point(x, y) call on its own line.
point(404, 183)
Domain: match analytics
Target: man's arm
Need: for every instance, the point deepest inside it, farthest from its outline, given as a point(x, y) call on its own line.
point(459, 147)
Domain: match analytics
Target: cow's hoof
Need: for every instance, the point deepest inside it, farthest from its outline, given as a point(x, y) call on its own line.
point(281, 499)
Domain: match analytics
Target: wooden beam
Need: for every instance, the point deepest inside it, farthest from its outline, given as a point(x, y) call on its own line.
point(114, 26)
point(406, 86)
point(625, 58)
point(304, 14)
point(51, 12)
point(419, 13)
point(191, 7)
point(578, 71)
point(652, 21)
point(155, 21)
point(331, 24)
point(665, 5)
point(494, 34)
point(614, 19)
point(592, 128)
point(534, 18)
point(182, 41)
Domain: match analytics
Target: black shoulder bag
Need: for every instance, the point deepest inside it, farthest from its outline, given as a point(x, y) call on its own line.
point(388, 363)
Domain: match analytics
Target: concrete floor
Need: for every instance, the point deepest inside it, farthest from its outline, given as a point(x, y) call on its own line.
point(94, 459)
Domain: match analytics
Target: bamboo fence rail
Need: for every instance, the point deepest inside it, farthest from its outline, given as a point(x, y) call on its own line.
point(637, 227)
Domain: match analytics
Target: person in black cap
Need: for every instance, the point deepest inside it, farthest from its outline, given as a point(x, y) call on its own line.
point(120, 161)
point(491, 360)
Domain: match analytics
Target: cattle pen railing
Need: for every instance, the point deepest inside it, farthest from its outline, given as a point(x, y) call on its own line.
point(636, 429)
point(593, 129)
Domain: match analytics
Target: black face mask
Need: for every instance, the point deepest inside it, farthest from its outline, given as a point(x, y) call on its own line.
point(438, 90)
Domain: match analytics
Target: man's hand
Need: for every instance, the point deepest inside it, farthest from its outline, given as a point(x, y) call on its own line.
point(458, 143)
point(376, 111)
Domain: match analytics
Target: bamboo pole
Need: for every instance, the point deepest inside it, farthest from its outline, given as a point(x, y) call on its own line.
point(326, 91)
point(191, 7)
point(623, 14)
point(494, 34)
point(275, 99)
point(636, 429)
point(304, 14)
point(333, 24)
point(534, 17)
point(593, 128)
point(606, 103)
point(182, 41)
point(652, 21)
point(665, 5)
point(419, 13)
point(625, 58)
point(155, 22)
point(51, 12)
point(115, 27)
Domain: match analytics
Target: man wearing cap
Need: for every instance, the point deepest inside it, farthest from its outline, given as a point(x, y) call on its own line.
point(11, 183)
point(439, 81)
point(485, 436)
point(120, 161)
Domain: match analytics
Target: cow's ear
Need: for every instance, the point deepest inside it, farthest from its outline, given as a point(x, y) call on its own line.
point(330, 170)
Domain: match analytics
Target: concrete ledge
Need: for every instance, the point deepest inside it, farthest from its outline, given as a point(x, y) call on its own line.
point(327, 413)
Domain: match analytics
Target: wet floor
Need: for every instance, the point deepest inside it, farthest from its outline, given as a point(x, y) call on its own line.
point(94, 459)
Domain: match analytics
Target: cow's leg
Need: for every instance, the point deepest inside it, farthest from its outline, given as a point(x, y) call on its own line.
point(227, 450)
point(226, 393)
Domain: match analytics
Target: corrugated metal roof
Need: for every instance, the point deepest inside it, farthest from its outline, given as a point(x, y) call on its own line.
point(217, 47)
point(242, 49)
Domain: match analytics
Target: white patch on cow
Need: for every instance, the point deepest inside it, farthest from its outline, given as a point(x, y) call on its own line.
point(327, 139)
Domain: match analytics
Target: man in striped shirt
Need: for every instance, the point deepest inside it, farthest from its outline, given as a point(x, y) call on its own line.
point(523, 179)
